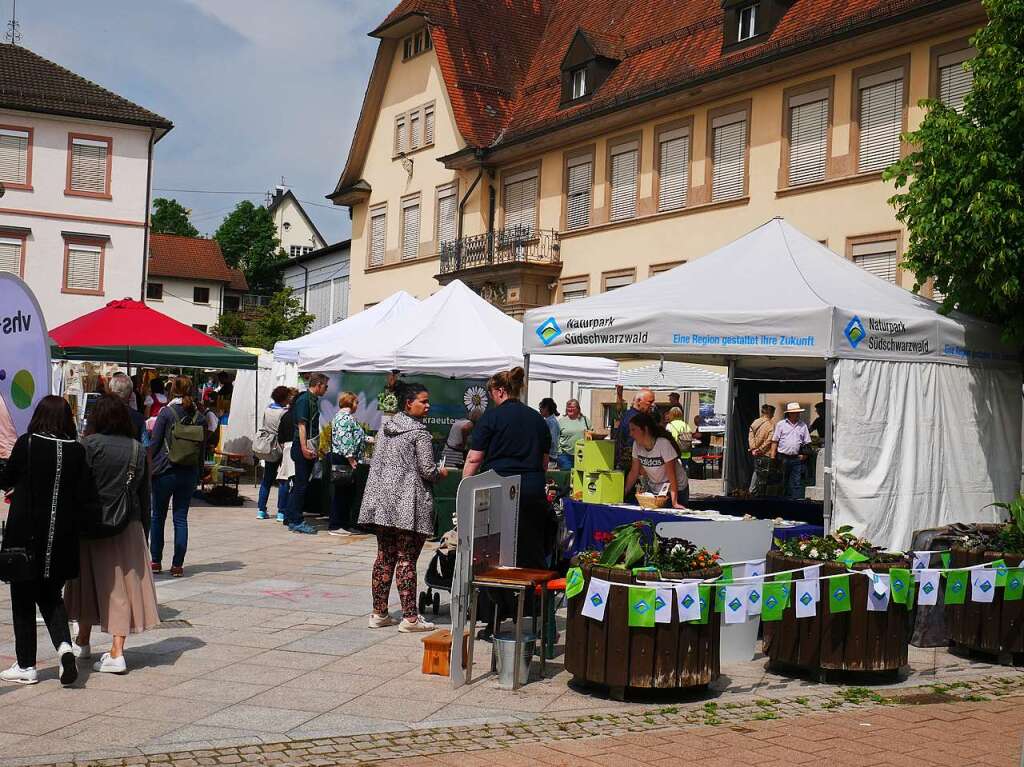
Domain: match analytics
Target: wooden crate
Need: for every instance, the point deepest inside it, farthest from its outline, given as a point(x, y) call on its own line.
point(995, 627)
point(858, 640)
point(612, 654)
point(437, 651)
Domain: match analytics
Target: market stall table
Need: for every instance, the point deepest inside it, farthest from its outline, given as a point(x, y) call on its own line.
point(808, 512)
point(585, 519)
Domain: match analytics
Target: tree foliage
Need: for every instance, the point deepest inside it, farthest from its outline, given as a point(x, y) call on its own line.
point(964, 183)
point(248, 240)
point(281, 320)
point(171, 217)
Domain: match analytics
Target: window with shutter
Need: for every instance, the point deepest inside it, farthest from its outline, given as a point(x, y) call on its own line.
point(89, 166)
point(578, 191)
point(881, 120)
point(14, 159)
point(428, 125)
point(447, 207)
point(673, 169)
point(520, 200)
point(657, 269)
point(877, 258)
point(400, 135)
point(954, 80)
point(808, 137)
point(574, 289)
point(11, 254)
point(410, 228)
point(415, 136)
point(616, 280)
point(624, 167)
point(728, 173)
point(83, 271)
point(378, 234)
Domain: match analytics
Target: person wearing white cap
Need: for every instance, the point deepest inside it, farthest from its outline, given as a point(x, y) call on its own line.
point(789, 437)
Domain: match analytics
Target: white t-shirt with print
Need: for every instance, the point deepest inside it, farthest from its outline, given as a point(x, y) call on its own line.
point(653, 463)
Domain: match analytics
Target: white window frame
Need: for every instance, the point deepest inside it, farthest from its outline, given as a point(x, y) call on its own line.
point(7, 241)
point(107, 144)
point(747, 17)
point(577, 83)
point(72, 246)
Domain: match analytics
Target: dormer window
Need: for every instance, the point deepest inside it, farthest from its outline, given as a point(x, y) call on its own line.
point(416, 43)
point(578, 83)
point(748, 22)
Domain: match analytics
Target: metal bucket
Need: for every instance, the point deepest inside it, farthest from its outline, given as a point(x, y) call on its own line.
point(504, 652)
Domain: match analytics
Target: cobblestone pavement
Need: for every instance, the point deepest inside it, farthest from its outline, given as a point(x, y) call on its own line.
point(265, 649)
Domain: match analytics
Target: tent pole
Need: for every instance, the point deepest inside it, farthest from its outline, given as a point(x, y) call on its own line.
point(526, 380)
point(727, 448)
point(830, 414)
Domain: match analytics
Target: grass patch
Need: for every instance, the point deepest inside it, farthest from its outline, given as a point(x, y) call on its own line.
point(801, 701)
point(669, 710)
point(975, 698)
point(765, 715)
point(858, 695)
point(763, 703)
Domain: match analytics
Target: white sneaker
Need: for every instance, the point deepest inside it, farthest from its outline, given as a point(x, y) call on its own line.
point(83, 651)
point(20, 675)
point(108, 665)
point(381, 621)
point(67, 664)
point(413, 627)
point(340, 531)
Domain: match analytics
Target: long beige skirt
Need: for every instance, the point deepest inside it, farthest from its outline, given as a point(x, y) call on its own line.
point(114, 589)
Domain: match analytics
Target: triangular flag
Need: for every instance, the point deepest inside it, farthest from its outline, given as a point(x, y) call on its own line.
point(839, 594)
point(806, 599)
point(921, 560)
point(663, 599)
point(947, 557)
point(755, 597)
point(1000, 567)
point(956, 587)
point(928, 588)
point(1014, 585)
point(641, 607)
point(983, 584)
point(776, 596)
point(597, 599)
point(735, 604)
point(573, 582)
point(899, 583)
point(688, 602)
point(851, 556)
point(878, 594)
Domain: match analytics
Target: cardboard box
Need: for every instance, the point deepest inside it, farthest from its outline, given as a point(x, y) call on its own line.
point(595, 455)
point(604, 487)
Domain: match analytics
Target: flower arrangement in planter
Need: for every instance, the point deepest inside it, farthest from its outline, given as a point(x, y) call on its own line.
point(845, 630)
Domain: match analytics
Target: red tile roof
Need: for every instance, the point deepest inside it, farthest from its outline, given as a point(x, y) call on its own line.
point(238, 281)
point(194, 258)
point(502, 65)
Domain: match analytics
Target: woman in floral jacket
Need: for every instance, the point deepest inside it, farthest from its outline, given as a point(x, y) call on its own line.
point(347, 442)
point(398, 505)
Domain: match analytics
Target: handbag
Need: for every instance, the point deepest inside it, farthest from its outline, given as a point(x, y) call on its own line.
point(342, 473)
point(114, 518)
point(17, 563)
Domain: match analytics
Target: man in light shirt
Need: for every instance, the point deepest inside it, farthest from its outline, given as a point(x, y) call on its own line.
point(759, 441)
point(789, 437)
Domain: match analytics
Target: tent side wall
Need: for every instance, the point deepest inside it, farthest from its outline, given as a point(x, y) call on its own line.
point(920, 445)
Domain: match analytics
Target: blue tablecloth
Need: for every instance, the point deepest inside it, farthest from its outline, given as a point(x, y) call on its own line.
point(809, 512)
point(585, 519)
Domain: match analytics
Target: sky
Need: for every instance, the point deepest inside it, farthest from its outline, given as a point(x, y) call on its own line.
point(256, 89)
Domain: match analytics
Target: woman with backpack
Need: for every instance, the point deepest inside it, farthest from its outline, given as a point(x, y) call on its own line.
point(267, 447)
point(179, 441)
point(114, 589)
point(53, 495)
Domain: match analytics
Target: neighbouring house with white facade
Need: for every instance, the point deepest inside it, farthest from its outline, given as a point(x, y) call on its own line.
point(76, 166)
point(296, 231)
point(190, 281)
point(320, 279)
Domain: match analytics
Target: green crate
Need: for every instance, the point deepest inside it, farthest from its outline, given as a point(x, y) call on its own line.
point(604, 487)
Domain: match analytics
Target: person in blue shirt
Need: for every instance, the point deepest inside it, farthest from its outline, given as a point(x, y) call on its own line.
point(643, 402)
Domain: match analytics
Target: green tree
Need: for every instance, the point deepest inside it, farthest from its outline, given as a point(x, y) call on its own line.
point(171, 217)
point(249, 242)
point(281, 320)
point(964, 183)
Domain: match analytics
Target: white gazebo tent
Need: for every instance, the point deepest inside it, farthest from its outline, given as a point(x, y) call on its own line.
point(453, 334)
point(923, 411)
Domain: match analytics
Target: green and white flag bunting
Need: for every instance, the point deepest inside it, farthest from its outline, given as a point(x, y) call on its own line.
point(776, 597)
point(788, 577)
point(928, 587)
point(947, 558)
point(851, 557)
point(573, 582)
point(921, 560)
point(641, 607)
point(663, 599)
point(688, 601)
point(1014, 585)
point(878, 594)
point(956, 587)
point(806, 596)
point(597, 599)
point(839, 594)
point(720, 597)
point(706, 594)
point(755, 597)
point(1000, 567)
point(983, 585)
point(899, 584)
point(735, 604)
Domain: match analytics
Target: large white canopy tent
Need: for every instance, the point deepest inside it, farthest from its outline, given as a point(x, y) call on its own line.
point(923, 410)
point(454, 334)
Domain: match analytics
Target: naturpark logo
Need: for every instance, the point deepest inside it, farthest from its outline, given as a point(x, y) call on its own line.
point(855, 332)
point(548, 331)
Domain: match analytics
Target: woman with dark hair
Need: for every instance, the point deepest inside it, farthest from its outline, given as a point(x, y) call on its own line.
point(549, 412)
point(179, 443)
point(656, 459)
point(114, 589)
point(398, 505)
point(270, 430)
point(53, 494)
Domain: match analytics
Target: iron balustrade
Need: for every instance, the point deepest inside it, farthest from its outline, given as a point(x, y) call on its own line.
point(515, 245)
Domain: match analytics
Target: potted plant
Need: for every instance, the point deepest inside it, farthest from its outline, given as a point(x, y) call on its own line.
point(995, 627)
point(611, 652)
point(851, 637)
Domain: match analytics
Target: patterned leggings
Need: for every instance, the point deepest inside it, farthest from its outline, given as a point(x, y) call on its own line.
point(397, 552)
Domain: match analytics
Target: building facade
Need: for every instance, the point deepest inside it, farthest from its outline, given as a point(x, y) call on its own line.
point(189, 280)
point(320, 279)
point(296, 231)
point(551, 150)
point(75, 169)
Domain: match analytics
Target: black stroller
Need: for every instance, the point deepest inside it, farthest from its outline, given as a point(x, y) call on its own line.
point(438, 578)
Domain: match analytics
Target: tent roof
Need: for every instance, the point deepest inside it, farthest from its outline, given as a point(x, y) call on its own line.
point(773, 293)
point(129, 332)
point(672, 376)
point(328, 339)
point(455, 334)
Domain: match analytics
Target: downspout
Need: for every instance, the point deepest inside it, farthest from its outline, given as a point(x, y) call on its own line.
point(305, 288)
point(145, 235)
point(462, 209)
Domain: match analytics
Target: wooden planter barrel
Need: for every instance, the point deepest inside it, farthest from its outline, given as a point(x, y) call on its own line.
point(613, 654)
point(858, 640)
point(990, 627)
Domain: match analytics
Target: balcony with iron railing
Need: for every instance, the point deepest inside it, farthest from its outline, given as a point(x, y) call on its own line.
point(515, 245)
